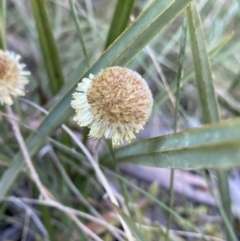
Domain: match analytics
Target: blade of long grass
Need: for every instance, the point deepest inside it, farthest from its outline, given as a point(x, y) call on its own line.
point(195, 148)
point(227, 101)
point(179, 76)
point(235, 83)
point(202, 67)
point(79, 31)
point(190, 157)
point(3, 47)
point(137, 234)
point(159, 10)
point(48, 45)
point(206, 92)
point(228, 225)
point(233, 47)
point(214, 51)
point(2, 24)
point(46, 217)
point(120, 20)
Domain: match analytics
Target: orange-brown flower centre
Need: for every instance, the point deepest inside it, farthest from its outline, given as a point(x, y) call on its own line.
point(7, 67)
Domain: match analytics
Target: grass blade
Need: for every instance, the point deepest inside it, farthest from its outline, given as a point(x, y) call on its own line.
point(202, 67)
point(48, 45)
point(179, 76)
point(131, 225)
point(79, 31)
point(120, 20)
point(2, 24)
point(211, 146)
point(206, 91)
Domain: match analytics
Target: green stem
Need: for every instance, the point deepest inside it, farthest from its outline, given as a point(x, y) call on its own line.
point(48, 45)
point(79, 31)
point(179, 76)
point(120, 20)
point(2, 24)
point(230, 231)
point(46, 217)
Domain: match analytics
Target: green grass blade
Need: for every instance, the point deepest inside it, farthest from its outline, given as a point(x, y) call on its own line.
point(206, 92)
point(180, 70)
point(79, 31)
point(223, 187)
point(211, 146)
point(213, 52)
point(118, 50)
point(202, 67)
point(46, 217)
point(190, 158)
point(120, 20)
point(232, 48)
point(2, 24)
point(48, 45)
point(131, 225)
point(179, 76)
point(228, 102)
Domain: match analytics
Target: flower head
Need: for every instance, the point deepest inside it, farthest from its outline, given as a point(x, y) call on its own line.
point(12, 80)
point(115, 103)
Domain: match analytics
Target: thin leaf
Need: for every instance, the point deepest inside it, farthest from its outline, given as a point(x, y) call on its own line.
point(48, 45)
point(131, 225)
point(228, 101)
point(2, 24)
point(79, 31)
point(179, 76)
point(202, 67)
point(207, 95)
point(211, 146)
point(223, 42)
point(120, 20)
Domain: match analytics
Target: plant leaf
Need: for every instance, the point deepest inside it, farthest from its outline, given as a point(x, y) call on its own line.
point(211, 146)
point(48, 45)
point(207, 94)
point(120, 20)
point(202, 67)
point(2, 24)
point(131, 225)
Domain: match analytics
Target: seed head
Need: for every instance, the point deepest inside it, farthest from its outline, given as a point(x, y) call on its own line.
point(115, 103)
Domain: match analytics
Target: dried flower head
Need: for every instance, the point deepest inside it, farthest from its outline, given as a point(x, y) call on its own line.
point(115, 103)
point(12, 80)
